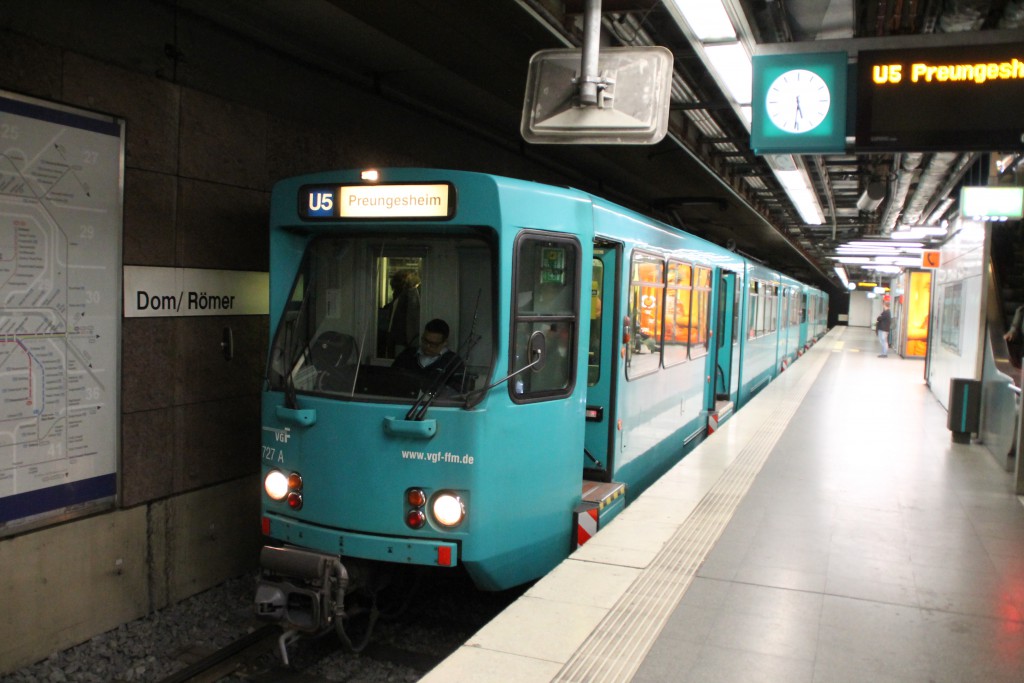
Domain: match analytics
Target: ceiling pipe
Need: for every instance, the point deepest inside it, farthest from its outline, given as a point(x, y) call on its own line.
point(908, 164)
point(590, 79)
point(934, 175)
point(952, 180)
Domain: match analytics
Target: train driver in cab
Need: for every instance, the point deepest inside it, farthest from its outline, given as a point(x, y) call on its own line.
point(432, 359)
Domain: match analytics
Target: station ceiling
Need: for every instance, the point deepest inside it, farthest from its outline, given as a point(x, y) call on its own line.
point(466, 62)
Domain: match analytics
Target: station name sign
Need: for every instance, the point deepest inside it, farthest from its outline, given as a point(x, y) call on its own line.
point(959, 98)
point(154, 292)
point(377, 202)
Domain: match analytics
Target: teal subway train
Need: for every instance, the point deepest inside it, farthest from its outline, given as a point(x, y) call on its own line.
point(476, 373)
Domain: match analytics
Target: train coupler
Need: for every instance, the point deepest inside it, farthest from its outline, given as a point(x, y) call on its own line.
point(303, 591)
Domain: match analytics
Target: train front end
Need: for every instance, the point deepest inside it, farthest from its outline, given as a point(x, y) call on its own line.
point(374, 455)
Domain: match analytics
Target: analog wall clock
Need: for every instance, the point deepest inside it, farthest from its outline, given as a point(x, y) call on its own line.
point(797, 101)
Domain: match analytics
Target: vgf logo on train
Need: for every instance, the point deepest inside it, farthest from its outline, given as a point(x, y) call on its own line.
point(272, 454)
point(321, 203)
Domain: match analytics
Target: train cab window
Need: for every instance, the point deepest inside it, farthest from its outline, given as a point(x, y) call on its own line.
point(331, 338)
point(547, 299)
point(678, 321)
point(701, 323)
point(646, 299)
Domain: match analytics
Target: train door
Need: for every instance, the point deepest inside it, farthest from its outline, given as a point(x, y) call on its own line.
point(726, 325)
point(602, 363)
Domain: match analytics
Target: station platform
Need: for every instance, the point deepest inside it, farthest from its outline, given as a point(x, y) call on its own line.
point(830, 531)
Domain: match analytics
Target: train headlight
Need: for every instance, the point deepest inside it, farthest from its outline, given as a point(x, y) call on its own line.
point(448, 509)
point(276, 484)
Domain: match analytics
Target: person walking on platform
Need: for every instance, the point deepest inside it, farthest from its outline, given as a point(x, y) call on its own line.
point(882, 324)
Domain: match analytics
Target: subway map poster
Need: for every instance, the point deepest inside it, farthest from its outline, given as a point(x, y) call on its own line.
point(61, 173)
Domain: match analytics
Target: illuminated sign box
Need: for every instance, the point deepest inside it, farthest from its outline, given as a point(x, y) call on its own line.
point(992, 203)
point(956, 98)
point(377, 202)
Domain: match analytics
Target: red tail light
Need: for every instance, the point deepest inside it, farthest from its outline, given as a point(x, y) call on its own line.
point(415, 519)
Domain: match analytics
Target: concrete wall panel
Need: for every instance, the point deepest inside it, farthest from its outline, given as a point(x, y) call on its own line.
point(147, 460)
point(148, 105)
point(150, 216)
point(216, 441)
point(211, 534)
point(222, 226)
point(64, 584)
point(30, 67)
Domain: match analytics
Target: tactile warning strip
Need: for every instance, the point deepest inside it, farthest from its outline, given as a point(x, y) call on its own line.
point(617, 647)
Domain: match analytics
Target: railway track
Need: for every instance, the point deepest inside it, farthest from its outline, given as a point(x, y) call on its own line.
point(402, 649)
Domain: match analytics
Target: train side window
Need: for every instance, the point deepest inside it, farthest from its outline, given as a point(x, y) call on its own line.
point(700, 326)
point(737, 303)
point(678, 319)
point(754, 311)
point(646, 299)
point(546, 300)
point(596, 297)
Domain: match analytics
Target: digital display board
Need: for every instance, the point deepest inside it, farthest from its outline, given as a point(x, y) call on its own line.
point(377, 202)
point(959, 98)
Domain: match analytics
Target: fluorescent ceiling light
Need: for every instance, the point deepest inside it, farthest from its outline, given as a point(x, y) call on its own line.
point(797, 185)
point(747, 115)
point(843, 277)
point(887, 244)
point(792, 180)
point(865, 249)
point(852, 259)
point(868, 252)
point(732, 65)
point(917, 232)
point(806, 203)
point(707, 19)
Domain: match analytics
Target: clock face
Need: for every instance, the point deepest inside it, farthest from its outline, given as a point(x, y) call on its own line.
point(797, 101)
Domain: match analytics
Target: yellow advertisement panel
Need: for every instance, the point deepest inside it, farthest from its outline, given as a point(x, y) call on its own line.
point(918, 305)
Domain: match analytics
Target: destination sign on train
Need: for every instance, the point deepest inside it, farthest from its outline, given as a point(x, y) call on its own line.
point(434, 200)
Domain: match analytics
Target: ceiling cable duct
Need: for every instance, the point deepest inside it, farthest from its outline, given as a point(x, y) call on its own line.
point(934, 175)
point(826, 184)
point(959, 169)
point(900, 188)
point(963, 15)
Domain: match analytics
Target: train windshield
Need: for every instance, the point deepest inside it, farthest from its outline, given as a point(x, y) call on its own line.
point(375, 318)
